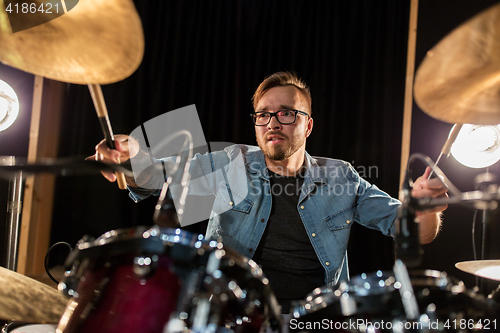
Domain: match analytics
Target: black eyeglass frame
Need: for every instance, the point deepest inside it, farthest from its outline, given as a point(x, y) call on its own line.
point(275, 114)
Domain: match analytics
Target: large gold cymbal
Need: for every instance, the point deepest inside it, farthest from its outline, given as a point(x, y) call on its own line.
point(459, 79)
point(97, 41)
point(484, 268)
point(25, 299)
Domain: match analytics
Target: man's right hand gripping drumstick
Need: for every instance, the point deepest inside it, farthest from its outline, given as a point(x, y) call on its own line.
point(126, 148)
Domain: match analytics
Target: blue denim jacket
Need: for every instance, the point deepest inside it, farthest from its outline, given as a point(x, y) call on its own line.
point(333, 196)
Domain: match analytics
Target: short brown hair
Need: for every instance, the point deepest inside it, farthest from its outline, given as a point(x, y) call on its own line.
point(281, 79)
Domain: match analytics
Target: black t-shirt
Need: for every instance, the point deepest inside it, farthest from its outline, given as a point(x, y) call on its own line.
point(285, 251)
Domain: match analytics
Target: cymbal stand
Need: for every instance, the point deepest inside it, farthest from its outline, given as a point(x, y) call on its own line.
point(486, 182)
point(14, 206)
point(406, 291)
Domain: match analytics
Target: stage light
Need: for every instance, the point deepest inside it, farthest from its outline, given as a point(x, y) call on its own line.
point(477, 146)
point(9, 105)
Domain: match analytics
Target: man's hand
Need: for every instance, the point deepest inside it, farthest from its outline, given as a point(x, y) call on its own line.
point(433, 188)
point(126, 148)
point(429, 220)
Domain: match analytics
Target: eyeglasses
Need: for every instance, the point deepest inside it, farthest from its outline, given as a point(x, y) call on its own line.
point(284, 117)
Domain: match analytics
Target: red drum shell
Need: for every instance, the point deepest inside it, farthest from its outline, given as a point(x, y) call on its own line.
point(111, 297)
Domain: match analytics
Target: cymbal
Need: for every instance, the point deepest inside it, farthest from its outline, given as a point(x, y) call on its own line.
point(64, 167)
point(459, 79)
point(25, 299)
point(484, 268)
point(97, 42)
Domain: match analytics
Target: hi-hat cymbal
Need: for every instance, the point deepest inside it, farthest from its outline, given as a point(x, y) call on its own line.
point(25, 299)
point(484, 268)
point(459, 79)
point(96, 42)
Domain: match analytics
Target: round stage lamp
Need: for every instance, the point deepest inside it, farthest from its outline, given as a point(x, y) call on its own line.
point(9, 105)
point(477, 146)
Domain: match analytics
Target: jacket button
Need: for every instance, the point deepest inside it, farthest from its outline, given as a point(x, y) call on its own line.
point(327, 263)
point(348, 221)
point(231, 203)
point(251, 250)
point(301, 207)
point(262, 220)
point(313, 234)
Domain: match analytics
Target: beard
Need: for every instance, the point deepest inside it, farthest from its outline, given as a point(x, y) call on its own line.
point(283, 151)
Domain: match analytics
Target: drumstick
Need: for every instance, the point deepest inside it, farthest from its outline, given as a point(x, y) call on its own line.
point(102, 113)
point(447, 145)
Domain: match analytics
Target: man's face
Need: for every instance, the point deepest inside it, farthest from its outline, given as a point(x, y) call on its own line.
point(278, 141)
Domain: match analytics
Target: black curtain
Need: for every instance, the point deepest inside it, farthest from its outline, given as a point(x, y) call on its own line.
point(213, 54)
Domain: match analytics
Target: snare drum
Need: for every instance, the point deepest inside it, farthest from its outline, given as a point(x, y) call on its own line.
point(372, 302)
point(18, 327)
point(162, 280)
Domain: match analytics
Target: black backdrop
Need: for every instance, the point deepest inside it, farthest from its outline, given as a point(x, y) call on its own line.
point(214, 54)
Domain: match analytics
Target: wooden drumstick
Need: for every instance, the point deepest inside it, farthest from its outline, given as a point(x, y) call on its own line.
point(102, 113)
point(447, 145)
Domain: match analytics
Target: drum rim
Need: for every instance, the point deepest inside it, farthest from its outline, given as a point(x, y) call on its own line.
point(16, 324)
point(419, 278)
point(117, 235)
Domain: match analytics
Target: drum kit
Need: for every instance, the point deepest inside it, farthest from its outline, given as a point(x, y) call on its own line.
point(158, 279)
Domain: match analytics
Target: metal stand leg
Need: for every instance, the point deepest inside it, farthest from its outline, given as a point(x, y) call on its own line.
point(14, 206)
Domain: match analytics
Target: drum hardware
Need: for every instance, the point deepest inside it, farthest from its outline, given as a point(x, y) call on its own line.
point(74, 272)
point(144, 266)
point(495, 295)
point(14, 209)
point(25, 299)
point(169, 214)
point(407, 243)
point(486, 182)
point(406, 291)
point(62, 167)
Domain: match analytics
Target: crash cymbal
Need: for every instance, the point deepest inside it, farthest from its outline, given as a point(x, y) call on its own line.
point(484, 268)
point(459, 79)
point(96, 41)
point(25, 299)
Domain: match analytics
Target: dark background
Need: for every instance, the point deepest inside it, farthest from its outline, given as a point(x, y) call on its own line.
point(214, 54)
